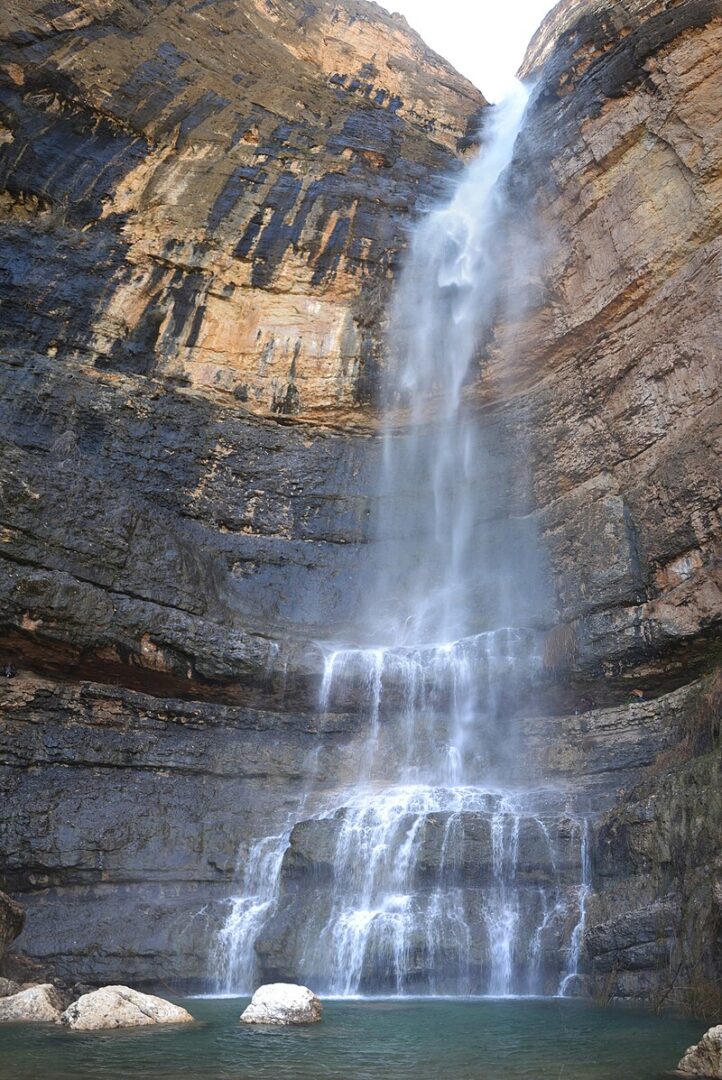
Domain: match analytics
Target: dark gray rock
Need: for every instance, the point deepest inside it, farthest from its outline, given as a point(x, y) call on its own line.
point(12, 919)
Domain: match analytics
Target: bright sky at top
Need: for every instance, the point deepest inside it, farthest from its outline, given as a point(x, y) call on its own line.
point(483, 39)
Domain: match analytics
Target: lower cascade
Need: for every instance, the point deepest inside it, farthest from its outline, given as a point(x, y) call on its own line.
point(443, 868)
point(427, 885)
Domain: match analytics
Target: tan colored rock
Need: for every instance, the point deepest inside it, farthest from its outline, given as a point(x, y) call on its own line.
point(255, 209)
point(8, 988)
point(36, 1004)
point(704, 1059)
point(120, 1007)
point(283, 1004)
point(616, 374)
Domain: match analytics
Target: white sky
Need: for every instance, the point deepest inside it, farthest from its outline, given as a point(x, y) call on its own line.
point(483, 39)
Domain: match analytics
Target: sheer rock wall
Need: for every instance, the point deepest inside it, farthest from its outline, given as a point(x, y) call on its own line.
point(201, 211)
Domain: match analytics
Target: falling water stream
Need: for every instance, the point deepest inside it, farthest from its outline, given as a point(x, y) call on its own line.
point(448, 876)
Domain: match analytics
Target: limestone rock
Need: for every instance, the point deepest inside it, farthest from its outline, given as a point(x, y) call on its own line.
point(36, 1004)
point(283, 1004)
point(8, 988)
point(120, 1007)
point(704, 1059)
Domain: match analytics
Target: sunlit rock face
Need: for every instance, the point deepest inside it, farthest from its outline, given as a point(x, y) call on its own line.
point(202, 209)
point(204, 190)
point(617, 375)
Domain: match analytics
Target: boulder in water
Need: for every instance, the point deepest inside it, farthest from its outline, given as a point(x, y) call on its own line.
point(704, 1059)
point(121, 1007)
point(283, 1003)
point(35, 1004)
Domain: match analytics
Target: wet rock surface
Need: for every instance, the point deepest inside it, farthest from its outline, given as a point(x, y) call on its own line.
point(655, 920)
point(12, 918)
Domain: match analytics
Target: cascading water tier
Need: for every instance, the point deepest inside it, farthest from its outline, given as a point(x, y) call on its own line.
point(423, 883)
point(440, 869)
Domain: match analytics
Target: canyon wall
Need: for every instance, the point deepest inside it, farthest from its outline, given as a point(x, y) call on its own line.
point(202, 207)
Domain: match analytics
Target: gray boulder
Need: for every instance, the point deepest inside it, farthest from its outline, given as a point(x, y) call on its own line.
point(121, 1007)
point(704, 1059)
point(36, 1004)
point(283, 1004)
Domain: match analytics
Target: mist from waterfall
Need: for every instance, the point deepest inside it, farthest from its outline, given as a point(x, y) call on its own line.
point(449, 291)
point(451, 871)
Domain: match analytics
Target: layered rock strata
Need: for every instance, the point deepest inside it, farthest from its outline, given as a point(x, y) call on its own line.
point(221, 179)
point(201, 211)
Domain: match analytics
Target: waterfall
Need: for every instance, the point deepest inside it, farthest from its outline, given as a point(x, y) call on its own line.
point(448, 875)
point(434, 582)
point(234, 955)
point(585, 887)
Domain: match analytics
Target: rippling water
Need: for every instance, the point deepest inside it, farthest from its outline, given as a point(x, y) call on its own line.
point(366, 1040)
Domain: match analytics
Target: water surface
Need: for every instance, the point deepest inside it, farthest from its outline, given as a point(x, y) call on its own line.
point(366, 1040)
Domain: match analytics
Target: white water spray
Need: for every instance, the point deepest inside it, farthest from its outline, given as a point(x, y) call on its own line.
point(446, 878)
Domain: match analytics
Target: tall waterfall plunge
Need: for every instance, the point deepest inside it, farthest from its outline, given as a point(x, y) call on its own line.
point(440, 869)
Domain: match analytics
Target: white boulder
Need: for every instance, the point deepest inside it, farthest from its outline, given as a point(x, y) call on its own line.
point(121, 1007)
point(35, 1004)
point(704, 1059)
point(283, 1003)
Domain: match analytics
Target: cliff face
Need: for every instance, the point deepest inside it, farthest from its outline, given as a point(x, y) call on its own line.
point(204, 188)
point(625, 145)
point(623, 357)
point(201, 211)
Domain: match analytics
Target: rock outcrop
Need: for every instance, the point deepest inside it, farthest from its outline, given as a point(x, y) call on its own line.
point(655, 921)
point(283, 1004)
point(704, 1059)
point(121, 1007)
point(35, 1004)
point(202, 209)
